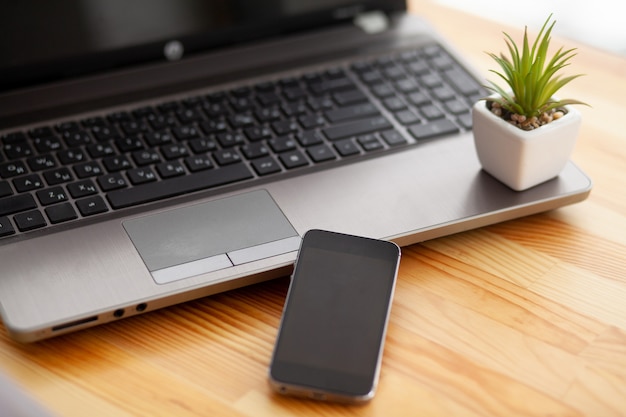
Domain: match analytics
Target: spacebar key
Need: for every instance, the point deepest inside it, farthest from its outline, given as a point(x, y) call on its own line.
point(154, 191)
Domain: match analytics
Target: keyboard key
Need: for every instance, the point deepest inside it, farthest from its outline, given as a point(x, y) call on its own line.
point(116, 163)
point(189, 115)
point(82, 188)
point(61, 213)
point(267, 114)
point(282, 144)
point(14, 137)
point(27, 183)
point(99, 150)
point(372, 78)
point(48, 144)
point(356, 128)
point(349, 97)
point(168, 106)
point(17, 203)
point(357, 111)
point(67, 127)
point(213, 126)
point(310, 121)
point(406, 86)
point(146, 157)
point(462, 82)
point(141, 175)
point(88, 169)
point(71, 156)
point(5, 189)
point(255, 150)
point(465, 120)
point(177, 186)
point(198, 163)
point(418, 98)
point(58, 176)
point(383, 91)
point(170, 169)
point(37, 163)
point(443, 93)
point(393, 138)
point(93, 121)
point(202, 145)
point(111, 182)
point(12, 169)
point(17, 150)
point(174, 151)
point(430, 111)
point(255, 133)
point(329, 86)
point(76, 138)
point(407, 117)
point(320, 153)
point(185, 132)
point(6, 228)
point(346, 147)
point(432, 129)
point(104, 132)
point(41, 131)
point(29, 221)
point(227, 156)
point(129, 144)
point(293, 159)
point(158, 138)
point(92, 205)
point(394, 104)
point(119, 116)
point(309, 138)
point(370, 143)
point(456, 106)
point(284, 127)
point(230, 139)
point(431, 80)
point(51, 196)
point(265, 166)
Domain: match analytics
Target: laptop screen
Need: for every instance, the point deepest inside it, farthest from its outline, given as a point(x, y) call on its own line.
point(42, 41)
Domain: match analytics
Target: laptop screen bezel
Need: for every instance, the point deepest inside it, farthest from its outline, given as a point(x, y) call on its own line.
point(17, 75)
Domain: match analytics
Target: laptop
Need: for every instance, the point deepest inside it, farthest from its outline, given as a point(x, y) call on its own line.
point(154, 152)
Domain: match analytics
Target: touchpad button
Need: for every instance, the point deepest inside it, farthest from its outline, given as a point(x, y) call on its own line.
point(206, 237)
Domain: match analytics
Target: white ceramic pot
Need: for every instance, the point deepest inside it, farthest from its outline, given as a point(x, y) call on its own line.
point(522, 159)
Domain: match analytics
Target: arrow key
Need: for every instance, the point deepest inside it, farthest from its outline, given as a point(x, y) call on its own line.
point(29, 220)
point(91, 205)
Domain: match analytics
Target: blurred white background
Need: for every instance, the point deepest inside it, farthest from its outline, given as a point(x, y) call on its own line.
point(600, 23)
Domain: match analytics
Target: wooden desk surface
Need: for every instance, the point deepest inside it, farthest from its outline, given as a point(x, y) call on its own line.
point(525, 318)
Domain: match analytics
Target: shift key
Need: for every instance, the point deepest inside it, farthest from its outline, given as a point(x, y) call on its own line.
point(358, 127)
point(16, 204)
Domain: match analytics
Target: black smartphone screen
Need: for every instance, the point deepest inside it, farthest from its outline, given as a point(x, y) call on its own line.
point(335, 316)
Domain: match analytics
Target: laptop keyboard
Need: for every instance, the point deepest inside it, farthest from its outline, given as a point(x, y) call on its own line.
point(53, 175)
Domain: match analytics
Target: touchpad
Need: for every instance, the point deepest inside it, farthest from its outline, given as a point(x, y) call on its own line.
point(206, 237)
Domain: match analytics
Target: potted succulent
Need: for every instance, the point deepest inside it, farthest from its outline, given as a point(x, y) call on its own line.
point(523, 134)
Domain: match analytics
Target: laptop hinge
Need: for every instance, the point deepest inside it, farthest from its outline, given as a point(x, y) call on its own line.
point(372, 21)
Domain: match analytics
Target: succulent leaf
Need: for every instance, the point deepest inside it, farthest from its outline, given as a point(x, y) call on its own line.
point(530, 76)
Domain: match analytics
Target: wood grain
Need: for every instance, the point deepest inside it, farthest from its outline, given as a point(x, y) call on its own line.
point(523, 318)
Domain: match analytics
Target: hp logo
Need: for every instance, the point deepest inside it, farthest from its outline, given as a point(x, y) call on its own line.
point(173, 50)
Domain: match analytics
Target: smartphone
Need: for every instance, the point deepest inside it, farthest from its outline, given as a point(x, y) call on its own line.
point(330, 341)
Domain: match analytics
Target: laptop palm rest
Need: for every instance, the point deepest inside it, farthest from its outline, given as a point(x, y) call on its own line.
point(206, 237)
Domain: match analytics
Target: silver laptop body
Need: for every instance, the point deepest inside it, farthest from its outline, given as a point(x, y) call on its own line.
point(151, 254)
